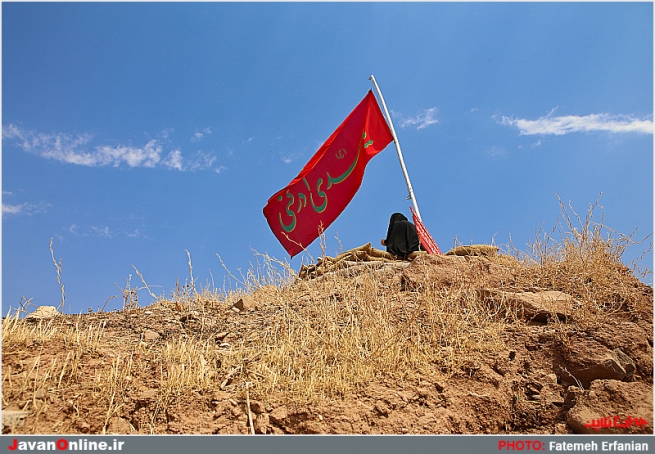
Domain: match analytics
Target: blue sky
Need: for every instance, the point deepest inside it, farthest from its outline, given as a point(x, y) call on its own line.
point(134, 132)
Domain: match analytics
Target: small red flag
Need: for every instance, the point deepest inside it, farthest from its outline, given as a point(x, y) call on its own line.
point(300, 212)
point(424, 236)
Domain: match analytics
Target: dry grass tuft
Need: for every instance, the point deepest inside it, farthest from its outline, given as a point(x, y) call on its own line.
point(583, 257)
point(332, 335)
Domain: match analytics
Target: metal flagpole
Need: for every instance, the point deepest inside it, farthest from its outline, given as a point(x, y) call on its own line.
point(400, 154)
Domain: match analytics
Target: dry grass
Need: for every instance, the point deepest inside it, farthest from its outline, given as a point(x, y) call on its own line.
point(333, 335)
point(583, 257)
point(324, 338)
point(27, 383)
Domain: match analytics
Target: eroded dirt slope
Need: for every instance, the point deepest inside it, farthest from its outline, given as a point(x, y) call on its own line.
point(130, 371)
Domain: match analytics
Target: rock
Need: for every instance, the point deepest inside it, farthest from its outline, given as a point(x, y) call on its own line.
point(119, 426)
point(245, 304)
point(633, 340)
point(571, 397)
point(40, 394)
point(560, 429)
point(626, 362)
point(439, 271)
point(474, 249)
point(609, 403)
point(261, 423)
point(550, 379)
point(382, 408)
point(83, 426)
point(607, 368)
point(501, 366)
point(150, 335)
point(587, 360)
point(219, 396)
point(257, 407)
point(13, 418)
point(43, 312)
point(147, 395)
point(549, 390)
point(533, 306)
point(279, 415)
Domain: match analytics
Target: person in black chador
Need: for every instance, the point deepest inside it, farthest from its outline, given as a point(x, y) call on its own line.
point(402, 238)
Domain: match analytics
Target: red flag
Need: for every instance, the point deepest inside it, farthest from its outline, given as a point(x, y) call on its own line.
point(424, 236)
point(299, 213)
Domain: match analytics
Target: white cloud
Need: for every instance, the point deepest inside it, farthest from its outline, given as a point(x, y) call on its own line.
point(147, 156)
point(166, 133)
point(201, 161)
point(198, 136)
point(497, 152)
point(135, 234)
point(568, 124)
point(27, 209)
point(62, 147)
point(12, 209)
point(422, 120)
point(76, 150)
point(103, 232)
point(173, 160)
point(289, 157)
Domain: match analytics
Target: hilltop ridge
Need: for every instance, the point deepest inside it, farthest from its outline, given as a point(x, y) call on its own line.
point(558, 340)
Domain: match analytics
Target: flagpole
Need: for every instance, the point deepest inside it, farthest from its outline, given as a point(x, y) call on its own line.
point(400, 153)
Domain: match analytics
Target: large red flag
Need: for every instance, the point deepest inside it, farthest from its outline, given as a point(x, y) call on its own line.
point(300, 212)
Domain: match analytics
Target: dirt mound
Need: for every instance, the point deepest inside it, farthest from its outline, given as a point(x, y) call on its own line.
point(477, 343)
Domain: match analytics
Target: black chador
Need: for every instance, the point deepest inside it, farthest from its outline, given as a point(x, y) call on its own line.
point(402, 238)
